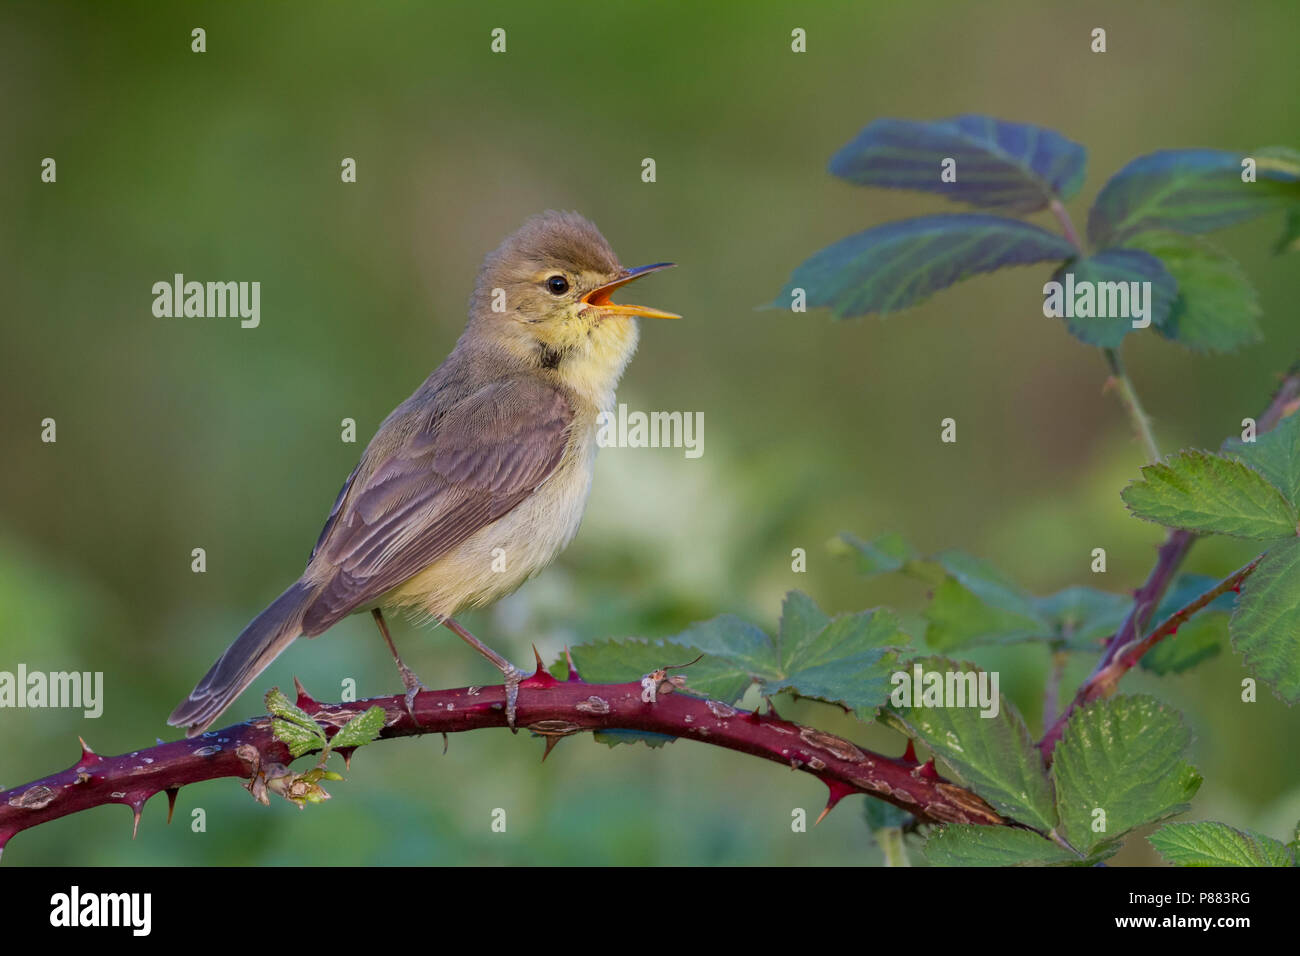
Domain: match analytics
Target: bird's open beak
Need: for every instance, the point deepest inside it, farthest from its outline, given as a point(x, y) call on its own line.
point(599, 297)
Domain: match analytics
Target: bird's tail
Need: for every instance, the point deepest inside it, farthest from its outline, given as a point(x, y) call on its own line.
point(251, 653)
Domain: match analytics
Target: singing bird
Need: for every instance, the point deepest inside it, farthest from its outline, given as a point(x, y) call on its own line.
point(486, 467)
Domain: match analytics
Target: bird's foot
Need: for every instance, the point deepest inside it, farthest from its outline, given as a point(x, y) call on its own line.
point(513, 676)
point(413, 686)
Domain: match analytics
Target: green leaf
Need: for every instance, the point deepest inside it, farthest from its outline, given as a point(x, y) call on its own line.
point(901, 264)
point(993, 755)
point(969, 844)
point(1081, 617)
point(360, 730)
point(729, 644)
point(1275, 454)
point(1120, 764)
point(888, 552)
point(1217, 844)
point(292, 725)
point(1187, 190)
point(281, 706)
point(1096, 303)
point(1289, 241)
point(297, 738)
point(1013, 166)
point(614, 736)
point(1197, 640)
point(1216, 309)
point(1198, 491)
point(976, 604)
point(847, 661)
point(1265, 628)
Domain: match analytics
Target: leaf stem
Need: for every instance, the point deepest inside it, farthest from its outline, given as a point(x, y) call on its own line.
point(1132, 404)
point(891, 843)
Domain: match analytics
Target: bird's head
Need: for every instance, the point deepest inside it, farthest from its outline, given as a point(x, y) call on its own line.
point(545, 296)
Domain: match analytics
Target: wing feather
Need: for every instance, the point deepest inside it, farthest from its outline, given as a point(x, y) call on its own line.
point(452, 474)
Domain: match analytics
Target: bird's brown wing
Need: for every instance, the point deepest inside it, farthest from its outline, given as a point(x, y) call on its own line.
point(451, 474)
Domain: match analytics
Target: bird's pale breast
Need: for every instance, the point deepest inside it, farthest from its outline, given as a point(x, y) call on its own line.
point(497, 559)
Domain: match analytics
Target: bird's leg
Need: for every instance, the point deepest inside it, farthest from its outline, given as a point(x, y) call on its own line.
point(512, 674)
point(412, 683)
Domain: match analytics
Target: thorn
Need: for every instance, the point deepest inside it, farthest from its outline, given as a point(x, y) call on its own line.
point(305, 700)
point(88, 756)
point(573, 668)
point(927, 770)
point(838, 791)
point(551, 741)
point(541, 668)
point(444, 743)
point(135, 823)
point(909, 754)
point(752, 716)
point(346, 753)
point(171, 802)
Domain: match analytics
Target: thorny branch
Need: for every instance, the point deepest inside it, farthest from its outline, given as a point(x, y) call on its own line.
point(548, 707)
point(1126, 647)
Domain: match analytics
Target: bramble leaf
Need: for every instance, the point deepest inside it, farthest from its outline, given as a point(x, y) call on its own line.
point(1216, 844)
point(1120, 764)
point(993, 755)
point(1275, 454)
point(360, 730)
point(1013, 166)
point(885, 553)
point(1216, 309)
point(901, 264)
point(847, 659)
point(959, 844)
point(1198, 491)
point(1265, 627)
point(1107, 278)
point(1187, 190)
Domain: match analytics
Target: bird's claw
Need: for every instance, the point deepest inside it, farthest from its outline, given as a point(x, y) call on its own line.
point(512, 678)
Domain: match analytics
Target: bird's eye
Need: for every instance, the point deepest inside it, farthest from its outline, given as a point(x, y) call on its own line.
point(557, 285)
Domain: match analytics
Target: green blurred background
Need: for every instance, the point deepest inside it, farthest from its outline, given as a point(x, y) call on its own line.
point(183, 433)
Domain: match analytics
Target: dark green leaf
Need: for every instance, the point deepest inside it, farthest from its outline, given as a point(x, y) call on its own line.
point(1265, 628)
point(901, 264)
point(976, 604)
point(1216, 309)
point(1275, 454)
point(1120, 764)
point(1187, 190)
point(1198, 491)
point(612, 737)
point(960, 844)
point(1217, 844)
point(1082, 617)
point(1094, 295)
point(992, 754)
point(1012, 166)
point(1196, 641)
point(880, 555)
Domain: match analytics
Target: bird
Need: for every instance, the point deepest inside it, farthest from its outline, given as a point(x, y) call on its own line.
point(477, 481)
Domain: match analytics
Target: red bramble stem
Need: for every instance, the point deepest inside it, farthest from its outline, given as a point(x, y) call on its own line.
point(550, 708)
